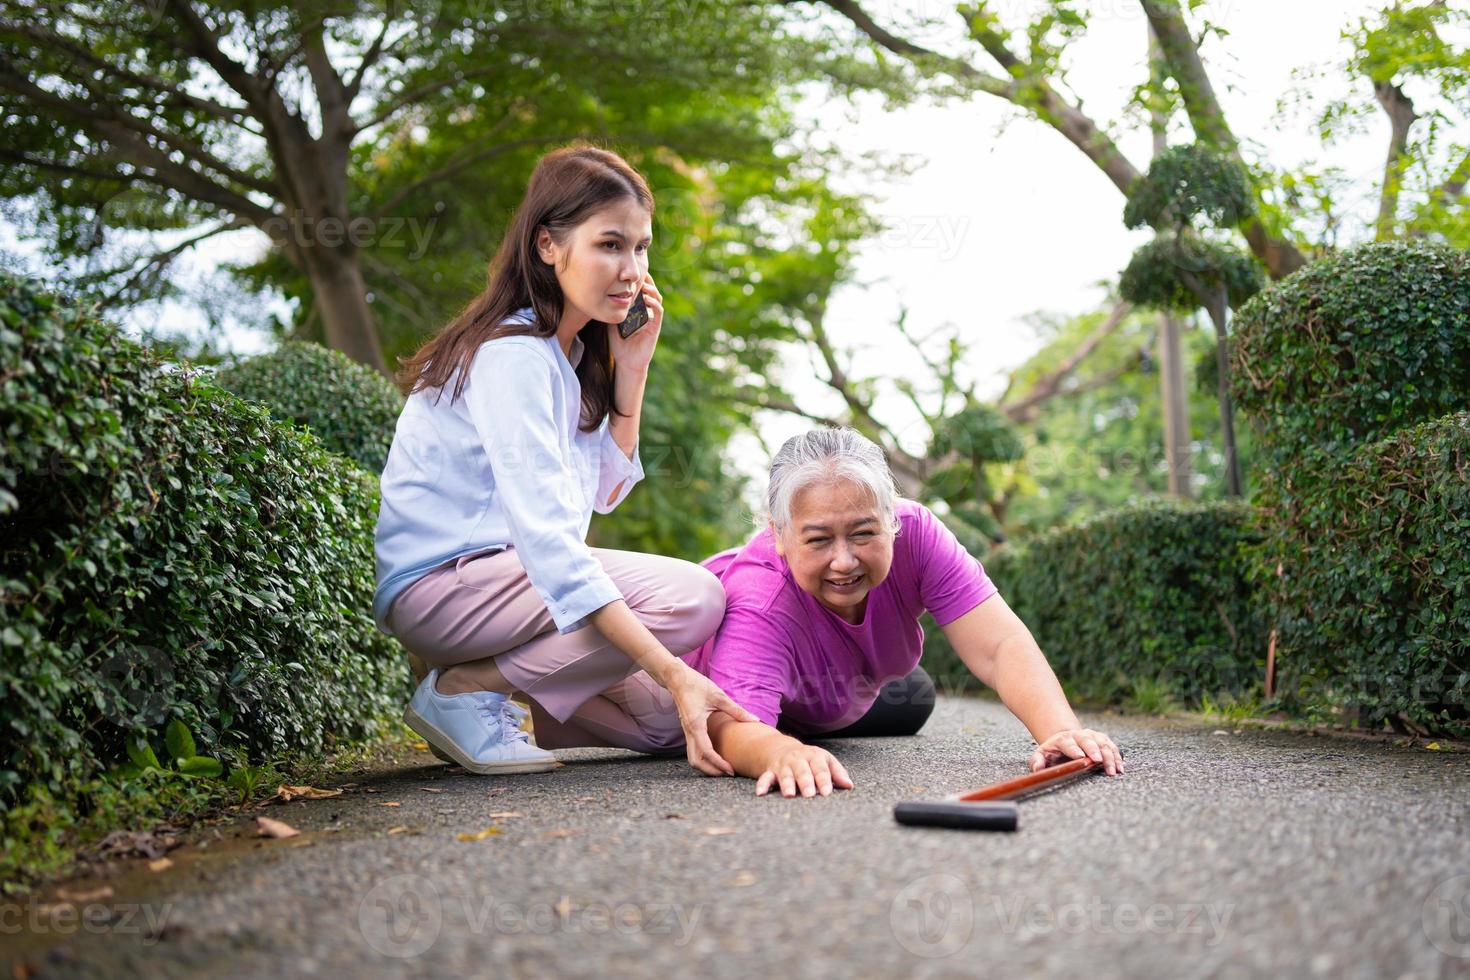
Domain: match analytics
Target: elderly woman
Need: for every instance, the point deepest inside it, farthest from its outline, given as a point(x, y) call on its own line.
point(822, 609)
point(821, 634)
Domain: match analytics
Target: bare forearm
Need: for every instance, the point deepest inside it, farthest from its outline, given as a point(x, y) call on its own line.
point(748, 746)
point(628, 388)
point(1025, 682)
point(627, 632)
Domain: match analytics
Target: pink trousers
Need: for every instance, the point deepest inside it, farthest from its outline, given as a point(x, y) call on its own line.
point(583, 691)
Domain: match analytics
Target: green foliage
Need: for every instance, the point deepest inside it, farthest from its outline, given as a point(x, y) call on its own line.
point(1185, 182)
point(1371, 600)
point(351, 408)
point(1349, 370)
point(1155, 275)
point(170, 553)
point(1354, 347)
point(1099, 443)
point(1154, 592)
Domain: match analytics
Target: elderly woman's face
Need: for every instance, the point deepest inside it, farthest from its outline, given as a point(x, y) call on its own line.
point(837, 546)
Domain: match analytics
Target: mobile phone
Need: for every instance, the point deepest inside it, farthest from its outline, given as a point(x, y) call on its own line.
point(636, 318)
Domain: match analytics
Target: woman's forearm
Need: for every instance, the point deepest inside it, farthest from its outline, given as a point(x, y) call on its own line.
point(749, 746)
point(627, 632)
point(1025, 682)
point(628, 388)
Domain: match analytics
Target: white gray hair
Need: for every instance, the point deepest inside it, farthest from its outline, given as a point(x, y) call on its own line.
point(822, 456)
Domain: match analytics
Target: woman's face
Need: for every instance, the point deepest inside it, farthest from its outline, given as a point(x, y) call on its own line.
point(837, 545)
point(603, 263)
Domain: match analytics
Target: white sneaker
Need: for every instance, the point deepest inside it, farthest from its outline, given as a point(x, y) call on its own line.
point(479, 730)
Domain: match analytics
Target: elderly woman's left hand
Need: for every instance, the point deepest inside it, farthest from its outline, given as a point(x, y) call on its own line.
point(1077, 743)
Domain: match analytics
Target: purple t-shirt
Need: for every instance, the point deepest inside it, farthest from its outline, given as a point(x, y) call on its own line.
point(782, 654)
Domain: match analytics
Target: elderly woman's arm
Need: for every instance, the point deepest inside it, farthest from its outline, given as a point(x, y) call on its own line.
point(759, 751)
point(999, 650)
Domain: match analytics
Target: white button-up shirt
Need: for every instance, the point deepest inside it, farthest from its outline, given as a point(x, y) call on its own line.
point(505, 464)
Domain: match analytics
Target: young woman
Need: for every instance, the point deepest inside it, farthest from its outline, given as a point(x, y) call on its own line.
point(823, 607)
point(521, 420)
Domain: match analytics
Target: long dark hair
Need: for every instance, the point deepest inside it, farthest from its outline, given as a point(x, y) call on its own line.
point(567, 185)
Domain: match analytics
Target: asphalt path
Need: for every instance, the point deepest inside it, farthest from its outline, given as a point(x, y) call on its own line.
point(1220, 853)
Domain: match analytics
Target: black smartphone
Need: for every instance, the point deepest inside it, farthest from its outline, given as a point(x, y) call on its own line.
point(636, 318)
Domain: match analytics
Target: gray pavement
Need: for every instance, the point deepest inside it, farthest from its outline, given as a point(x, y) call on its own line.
point(1217, 855)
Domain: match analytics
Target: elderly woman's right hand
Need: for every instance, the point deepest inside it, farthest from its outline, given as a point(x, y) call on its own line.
point(696, 697)
point(807, 768)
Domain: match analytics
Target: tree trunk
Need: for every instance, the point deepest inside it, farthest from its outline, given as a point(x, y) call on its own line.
point(1176, 408)
point(1171, 359)
point(341, 297)
point(1219, 313)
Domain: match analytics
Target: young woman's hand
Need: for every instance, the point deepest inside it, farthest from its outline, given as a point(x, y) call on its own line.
point(806, 768)
point(1077, 743)
point(697, 697)
point(636, 353)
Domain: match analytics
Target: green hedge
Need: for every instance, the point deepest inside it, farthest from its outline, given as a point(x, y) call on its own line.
point(350, 407)
point(1352, 348)
point(1349, 371)
point(1154, 593)
point(170, 552)
point(1373, 602)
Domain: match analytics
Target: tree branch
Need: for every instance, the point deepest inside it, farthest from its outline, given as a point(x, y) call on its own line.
point(1025, 409)
point(1401, 116)
point(461, 163)
point(420, 92)
point(232, 114)
point(1181, 55)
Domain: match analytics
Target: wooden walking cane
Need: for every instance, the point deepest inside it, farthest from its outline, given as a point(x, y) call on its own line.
point(990, 807)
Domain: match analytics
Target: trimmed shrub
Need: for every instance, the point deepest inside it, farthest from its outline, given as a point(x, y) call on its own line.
point(168, 551)
point(1152, 593)
point(1335, 364)
point(1373, 603)
point(1352, 348)
point(350, 407)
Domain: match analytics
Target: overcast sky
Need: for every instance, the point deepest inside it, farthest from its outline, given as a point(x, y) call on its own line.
point(996, 225)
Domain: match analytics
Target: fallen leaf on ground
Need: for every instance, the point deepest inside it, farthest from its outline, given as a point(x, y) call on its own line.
point(396, 830)
point(673, 816)
point(142, 843)
point(430, 789)
point(390, 803)
point(498, 791)
point(421, 746)
point(744, 879)
point(720, 831)
point(84, 894)
point(504, 814)
point(563, 907)
point(286, 793)
point(480, 834)
point(557, 833)
point(1433, 745)
point(266, 827)
point(369, 789)
point(161, 864)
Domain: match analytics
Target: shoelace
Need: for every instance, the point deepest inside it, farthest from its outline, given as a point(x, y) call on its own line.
point(508, 715)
